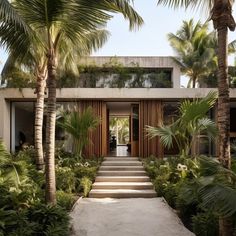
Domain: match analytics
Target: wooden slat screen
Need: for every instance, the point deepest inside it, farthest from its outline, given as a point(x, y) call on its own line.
point(98, 137)
point(150, 114)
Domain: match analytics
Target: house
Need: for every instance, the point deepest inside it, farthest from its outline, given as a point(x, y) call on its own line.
point(146, 90)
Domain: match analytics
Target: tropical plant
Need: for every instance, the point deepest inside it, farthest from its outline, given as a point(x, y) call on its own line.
point(10, 169)
point(58, 20)
point(192, 43)
point(78, 123)
point(196, 50)
point(221, 14)
point(192, 122)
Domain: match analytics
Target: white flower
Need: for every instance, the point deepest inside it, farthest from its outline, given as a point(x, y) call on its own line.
point(86, 164)
point(179, 167)
point(184, 167)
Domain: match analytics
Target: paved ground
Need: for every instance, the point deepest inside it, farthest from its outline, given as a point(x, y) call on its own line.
point(126, 217)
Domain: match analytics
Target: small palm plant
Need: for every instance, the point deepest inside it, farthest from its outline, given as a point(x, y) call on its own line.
point(11, 170)
point(192, 122)
point(78, 124)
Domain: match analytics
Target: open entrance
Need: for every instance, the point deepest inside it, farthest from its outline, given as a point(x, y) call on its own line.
point(119, 136)
point(123, 128)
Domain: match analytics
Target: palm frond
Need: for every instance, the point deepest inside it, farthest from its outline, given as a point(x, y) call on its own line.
point(219, 198)
point(165, 132)
point(199, 4)
point(15, 33)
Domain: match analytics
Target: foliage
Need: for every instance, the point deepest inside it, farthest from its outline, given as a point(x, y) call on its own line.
point(200, 190)
point(50, 220)
point(205, 224)
point(86, 185)
point(65, 179)
point(65, 200)
point(20, 79)
point(192, 122)
point(78, 124)
point(85, 171)
point(22, 212)
point(195, 53)
point(119, 127)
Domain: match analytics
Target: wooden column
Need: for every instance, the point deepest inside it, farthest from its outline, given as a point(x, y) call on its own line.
point(151, 113)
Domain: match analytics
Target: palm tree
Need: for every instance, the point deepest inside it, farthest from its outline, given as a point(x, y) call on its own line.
point(78, 123)
point(68, 21)
point(221, 15)
point(36, 63)
point(60, 20)
point(195, 54)
point(192, 122)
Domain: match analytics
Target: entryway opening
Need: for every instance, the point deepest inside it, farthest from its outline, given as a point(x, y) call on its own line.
point(119, 136)
point(123, 128)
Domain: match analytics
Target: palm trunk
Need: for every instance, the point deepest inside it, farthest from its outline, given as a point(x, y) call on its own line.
point(39, 110)
point(222, 20)
point(50, 133)
point(223, 100)
point(194, 81)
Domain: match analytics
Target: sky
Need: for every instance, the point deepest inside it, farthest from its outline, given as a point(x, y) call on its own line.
point(151, 38)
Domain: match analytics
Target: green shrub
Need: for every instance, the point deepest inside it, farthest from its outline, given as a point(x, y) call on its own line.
point(233, 166)
point(86, 185)
point(65, 179)
point(15, 223)
point(83, 171)
point(65, 200)
point(205, 224)
point(171, 193)
point(159, 185)
point(152, 171)
point(49, 220)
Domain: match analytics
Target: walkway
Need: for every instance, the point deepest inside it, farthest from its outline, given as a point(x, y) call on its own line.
point(126, 217)
point(122, 177)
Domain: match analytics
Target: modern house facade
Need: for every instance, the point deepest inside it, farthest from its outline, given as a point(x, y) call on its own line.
point(146, 90)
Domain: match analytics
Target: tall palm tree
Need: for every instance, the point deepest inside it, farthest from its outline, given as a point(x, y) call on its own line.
point(221, 15)
point(35, 61)
point(192, 44)
point(69, 21)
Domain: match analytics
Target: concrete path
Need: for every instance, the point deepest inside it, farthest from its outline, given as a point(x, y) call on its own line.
point(126, 217)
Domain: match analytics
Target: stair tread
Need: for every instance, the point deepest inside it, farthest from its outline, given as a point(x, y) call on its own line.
point(124, 183)
point(123, 177)
point(122, 171)
point(122, 191)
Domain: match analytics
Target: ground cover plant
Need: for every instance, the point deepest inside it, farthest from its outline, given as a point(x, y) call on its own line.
point(201, 190)
point(22, 208)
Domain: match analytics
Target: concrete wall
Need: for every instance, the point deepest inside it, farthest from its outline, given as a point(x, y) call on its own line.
point(5, 121)
point(111, 94)
point(145, 62)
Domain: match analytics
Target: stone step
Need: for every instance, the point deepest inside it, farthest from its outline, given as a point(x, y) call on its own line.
point(122, 179)
point(122, 193)
point(122, 168)
point(121, 173)
point(122, 185)
point(121, 159)
point(121, 163)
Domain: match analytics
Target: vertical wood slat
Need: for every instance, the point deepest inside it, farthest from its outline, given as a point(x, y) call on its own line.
point(150, 114)
point(97, 145)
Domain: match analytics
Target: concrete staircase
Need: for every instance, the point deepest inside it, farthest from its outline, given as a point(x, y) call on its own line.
point(122, 177)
